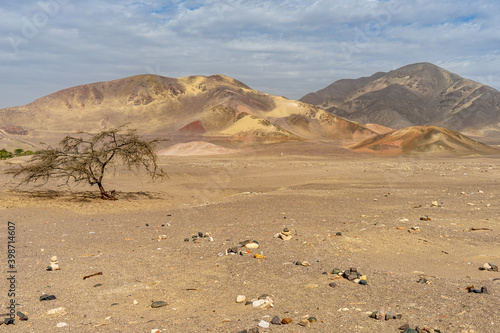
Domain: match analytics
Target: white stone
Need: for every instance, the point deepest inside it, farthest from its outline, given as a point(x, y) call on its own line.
point(61, 324)
point(263, 324)
point(241, 299)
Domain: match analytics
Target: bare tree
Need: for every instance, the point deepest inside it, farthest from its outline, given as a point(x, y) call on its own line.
point(86, 157)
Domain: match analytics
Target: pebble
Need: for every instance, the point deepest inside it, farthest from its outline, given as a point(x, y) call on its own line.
point(286, 321)
point(305, 323)
point(276, 320)
point(155, 330)
point(312, 320)
point(241, 299)
point(57, 311)
point(333, 284)
point(62, 324)
point(264, 324)
point(158, 304)
point(8, 321)
point(47, 298)
point(336, 270)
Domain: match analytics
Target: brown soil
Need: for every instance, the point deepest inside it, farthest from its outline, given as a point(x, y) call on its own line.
point(253, 196)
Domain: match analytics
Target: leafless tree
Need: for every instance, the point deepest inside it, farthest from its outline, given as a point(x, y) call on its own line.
point(86, 158)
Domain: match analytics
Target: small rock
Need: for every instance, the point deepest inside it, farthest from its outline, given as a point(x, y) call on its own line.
point(484, 290)
point(252, 245)
point(333, 284)
point(312, 320)
point(155, 330)
point(276, 320)
point(62, 324)
point(47, 298)
point(435, 204)
point(22, 316)
point(336, 270)
point(380, 314)
point(389, 315)
point(8, 321)
point(403, 327)
point(241, 299)
point(286, 321)
point(263, 324)
point(305, 323)
point(57, 311)
point(135, 302)
point(158, 304)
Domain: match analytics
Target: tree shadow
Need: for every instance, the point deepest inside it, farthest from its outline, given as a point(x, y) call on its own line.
point(83, 196)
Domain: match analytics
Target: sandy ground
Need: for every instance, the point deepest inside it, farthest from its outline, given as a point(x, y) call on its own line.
point(254, 196)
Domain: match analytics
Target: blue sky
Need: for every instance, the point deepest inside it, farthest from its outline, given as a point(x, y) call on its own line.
point(286, 47)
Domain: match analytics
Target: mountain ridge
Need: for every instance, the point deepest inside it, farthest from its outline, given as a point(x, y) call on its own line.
point(413, 95)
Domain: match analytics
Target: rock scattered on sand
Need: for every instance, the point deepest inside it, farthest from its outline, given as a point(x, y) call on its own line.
point(56, 312)
point(285, 234)
point(158, 304)
point(54, 264)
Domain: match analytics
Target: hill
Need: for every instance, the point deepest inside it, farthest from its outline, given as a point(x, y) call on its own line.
point(423, 139)
point(414, 95)
point(213, 106)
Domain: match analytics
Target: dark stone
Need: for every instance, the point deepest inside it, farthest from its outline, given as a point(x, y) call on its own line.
point(338, 233)
point(403, 327)
point(363, 282)
point(312, 320)
point(98, 285)
point(22, 316)
point(494, 268)
point(276, 320)
point(409, 330)
point(47, 298)
point(200, 234)
point(186, 239)
point(147, 225)
point(9, 321)
point(333, 284)
point(336, 270)
point(484, 290)
point(113, 304)
point(158, 304)
point(354, 269)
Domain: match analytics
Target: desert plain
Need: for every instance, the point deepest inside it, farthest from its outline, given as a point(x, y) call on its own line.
point(139, 244)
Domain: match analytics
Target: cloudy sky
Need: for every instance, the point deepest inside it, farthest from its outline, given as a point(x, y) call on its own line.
point(282, 47)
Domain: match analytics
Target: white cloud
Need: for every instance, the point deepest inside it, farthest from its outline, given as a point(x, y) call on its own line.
point(287, 47)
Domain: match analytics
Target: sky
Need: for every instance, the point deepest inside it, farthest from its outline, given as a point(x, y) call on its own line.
point(282, 47)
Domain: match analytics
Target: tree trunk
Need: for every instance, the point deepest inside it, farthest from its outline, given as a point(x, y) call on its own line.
point(105, 195)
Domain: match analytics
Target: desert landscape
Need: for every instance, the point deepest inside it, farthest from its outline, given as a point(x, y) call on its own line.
point(328, 223)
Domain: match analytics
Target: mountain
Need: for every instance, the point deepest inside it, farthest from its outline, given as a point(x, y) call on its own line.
point(413, 95)
point(213, 106)
point(423, 139)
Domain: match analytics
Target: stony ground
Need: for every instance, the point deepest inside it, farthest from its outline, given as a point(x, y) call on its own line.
point(372, 202)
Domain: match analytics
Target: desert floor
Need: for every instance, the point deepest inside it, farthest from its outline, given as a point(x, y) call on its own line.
point(373, 202)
